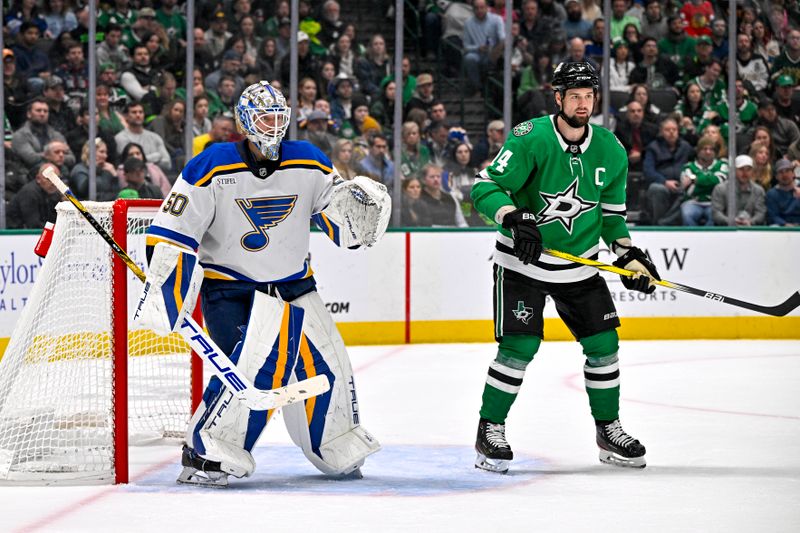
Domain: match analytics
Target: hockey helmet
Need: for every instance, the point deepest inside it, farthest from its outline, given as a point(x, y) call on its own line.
point(575, 75)
point(263, 116)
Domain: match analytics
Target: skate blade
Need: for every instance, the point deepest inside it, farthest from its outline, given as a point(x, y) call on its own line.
point(611, 458)
point(499, 466)
point(192, 476)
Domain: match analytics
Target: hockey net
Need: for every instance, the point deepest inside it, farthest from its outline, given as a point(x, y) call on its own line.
point(75, 356)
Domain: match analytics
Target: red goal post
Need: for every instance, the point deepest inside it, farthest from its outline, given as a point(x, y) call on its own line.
point(79, 382)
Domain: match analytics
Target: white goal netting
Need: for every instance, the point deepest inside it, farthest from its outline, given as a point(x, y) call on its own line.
point(57, 392)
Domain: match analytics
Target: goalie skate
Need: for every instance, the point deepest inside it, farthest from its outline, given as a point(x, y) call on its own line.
point(199, 471)
point(494, 453)
point(618, 448)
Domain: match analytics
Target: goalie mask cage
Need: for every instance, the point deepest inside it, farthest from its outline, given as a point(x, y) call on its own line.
point(79, 382)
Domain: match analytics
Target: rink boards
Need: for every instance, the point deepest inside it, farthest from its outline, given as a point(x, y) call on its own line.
point(436, 285)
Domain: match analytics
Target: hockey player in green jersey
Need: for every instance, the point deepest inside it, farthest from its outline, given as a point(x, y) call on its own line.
point(558, 183)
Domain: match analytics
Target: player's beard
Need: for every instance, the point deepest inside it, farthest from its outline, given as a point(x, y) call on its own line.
point(574, 121)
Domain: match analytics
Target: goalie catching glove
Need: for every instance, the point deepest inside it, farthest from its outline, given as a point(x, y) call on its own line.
point(170, 290)
point(633, 258)
point(357, 214)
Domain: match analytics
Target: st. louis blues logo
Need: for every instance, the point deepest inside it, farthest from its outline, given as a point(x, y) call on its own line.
point(263, 213)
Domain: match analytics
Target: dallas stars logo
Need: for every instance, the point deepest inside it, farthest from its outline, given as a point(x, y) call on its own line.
point(522, 313)
point(563, 207)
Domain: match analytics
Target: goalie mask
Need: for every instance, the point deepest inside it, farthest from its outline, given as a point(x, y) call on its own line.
point(263, 117)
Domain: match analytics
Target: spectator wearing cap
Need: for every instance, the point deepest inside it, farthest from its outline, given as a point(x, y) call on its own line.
point(751, 207)
point(61, 116)
point(75, 73)
point(783, 200)
point(109, 76)
point(482, 33)
point(30, 140)
point(342, 101)
point(217, 34)
point(112, 51)
point(220, 132)
point(784, 132)
point(698, 179)
point(120, 14)
point(35, 203)
point(140, 78)
point(360, 122)
point(31, 61)
point(314, 129)
point(575, 25)
point(423, 97)
point(788, 62)
point(135, 179)
point(231, 62)
point(15, 93)
point(654, 23)
point(283, 42)
point(307, 63)
point(663, 162)
point(134, 132)
point(695, 64)
point(751, 67)
point(787, 100)
point(153, 174)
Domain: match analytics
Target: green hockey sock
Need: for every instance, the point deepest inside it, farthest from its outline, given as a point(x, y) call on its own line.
point(505, 375)
point(601, 374)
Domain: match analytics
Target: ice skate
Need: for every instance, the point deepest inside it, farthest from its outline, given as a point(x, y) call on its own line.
point(199, 471)
point(617, 447)
point(494, 453)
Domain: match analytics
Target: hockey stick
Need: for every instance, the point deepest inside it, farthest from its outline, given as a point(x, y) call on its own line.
point(255, 399)
point(782, 309)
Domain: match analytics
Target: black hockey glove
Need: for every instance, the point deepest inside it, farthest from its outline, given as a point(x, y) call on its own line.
point(635, 259)
point(527, 239)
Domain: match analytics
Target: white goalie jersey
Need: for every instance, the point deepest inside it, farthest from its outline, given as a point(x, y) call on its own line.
point(250, 221)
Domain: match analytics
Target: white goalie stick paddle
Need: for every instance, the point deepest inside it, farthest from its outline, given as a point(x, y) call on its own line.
point(201, 343)
point(781, 309)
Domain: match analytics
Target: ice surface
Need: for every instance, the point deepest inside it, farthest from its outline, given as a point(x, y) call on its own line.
point(720, 419)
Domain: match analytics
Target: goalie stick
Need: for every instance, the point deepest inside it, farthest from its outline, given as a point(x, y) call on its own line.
point(782, 309)
point(255, 399)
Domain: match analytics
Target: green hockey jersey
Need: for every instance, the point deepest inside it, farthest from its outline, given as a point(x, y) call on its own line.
point(576, 191)
point(703, 180)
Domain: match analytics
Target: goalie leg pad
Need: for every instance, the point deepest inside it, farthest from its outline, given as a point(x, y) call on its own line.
point(170, 291)
point(223, 429)
point(327, 427)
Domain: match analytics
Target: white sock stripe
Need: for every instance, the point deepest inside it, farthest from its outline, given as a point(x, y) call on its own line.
point(613, 367)
point(507, 370)
point(602, 384)
point(505, 387)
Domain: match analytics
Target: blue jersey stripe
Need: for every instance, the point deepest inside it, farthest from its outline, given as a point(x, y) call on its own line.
point(174, 236)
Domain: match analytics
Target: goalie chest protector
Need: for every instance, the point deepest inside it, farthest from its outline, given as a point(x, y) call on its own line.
point(246, 226)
